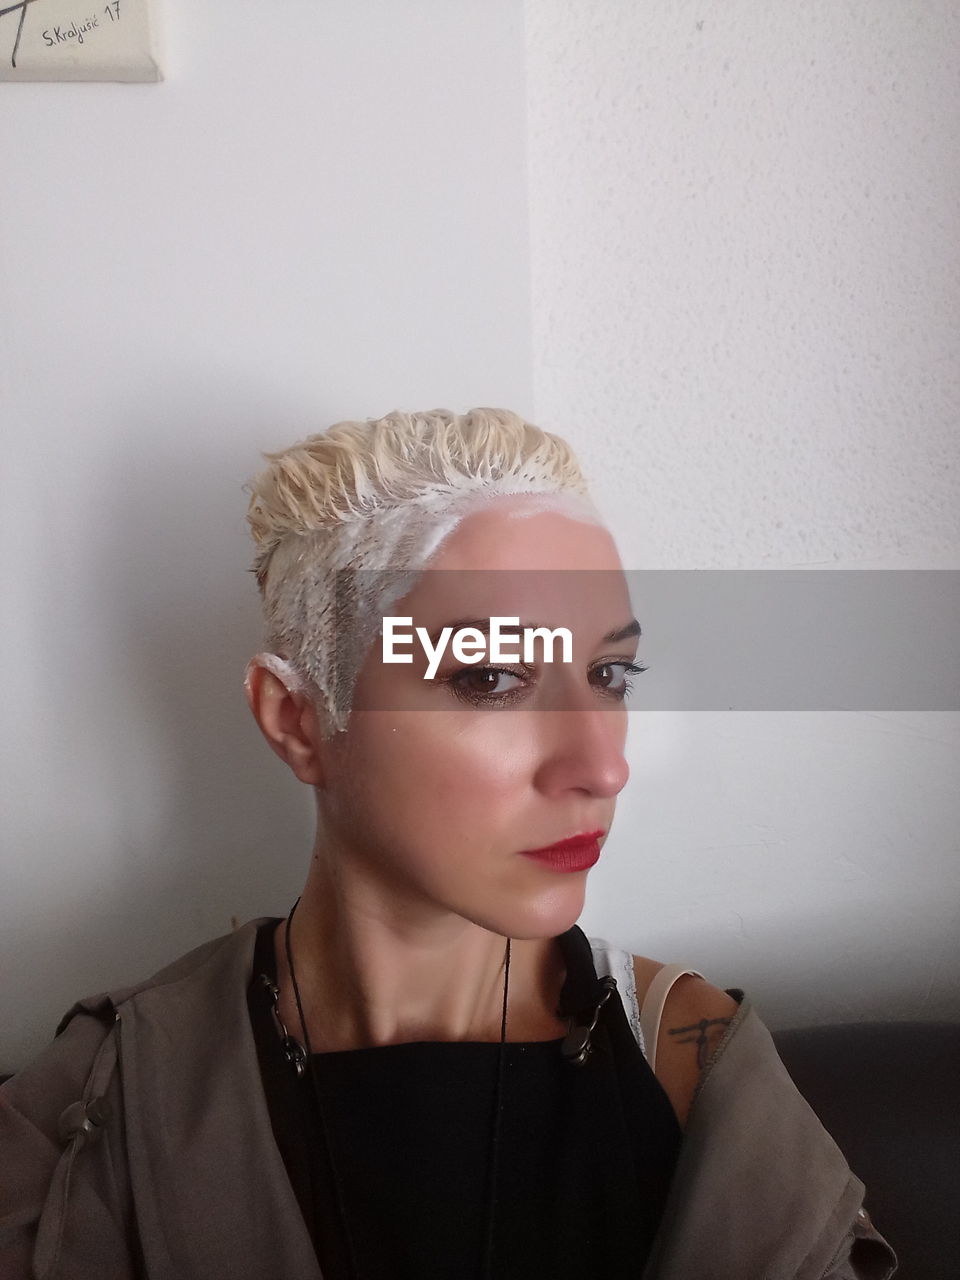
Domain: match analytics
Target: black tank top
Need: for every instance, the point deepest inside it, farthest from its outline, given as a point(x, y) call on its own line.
point(585, 1160)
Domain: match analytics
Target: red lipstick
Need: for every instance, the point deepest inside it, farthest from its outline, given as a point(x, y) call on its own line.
point(577, 853)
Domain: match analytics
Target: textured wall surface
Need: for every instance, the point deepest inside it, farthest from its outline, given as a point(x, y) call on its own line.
point(745, 271)
point(746, 304)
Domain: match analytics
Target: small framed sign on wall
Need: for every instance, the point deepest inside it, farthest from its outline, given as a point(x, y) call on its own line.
point(76, 40)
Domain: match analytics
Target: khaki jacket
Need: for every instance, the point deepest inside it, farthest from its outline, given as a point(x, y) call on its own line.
point(138, 1144)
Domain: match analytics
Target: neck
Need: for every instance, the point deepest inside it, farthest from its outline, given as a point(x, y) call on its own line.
point(374, 969)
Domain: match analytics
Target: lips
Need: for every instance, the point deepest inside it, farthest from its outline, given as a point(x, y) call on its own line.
point(576, 853)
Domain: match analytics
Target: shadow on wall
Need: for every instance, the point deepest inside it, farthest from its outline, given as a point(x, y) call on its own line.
point(188, 820)
point(235, 838)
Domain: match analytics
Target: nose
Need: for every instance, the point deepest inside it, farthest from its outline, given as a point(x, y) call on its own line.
point(582, 750)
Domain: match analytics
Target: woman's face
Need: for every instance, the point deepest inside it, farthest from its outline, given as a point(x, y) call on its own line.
point(438, 785)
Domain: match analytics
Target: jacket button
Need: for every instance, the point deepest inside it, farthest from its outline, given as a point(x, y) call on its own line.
point(85, 1119)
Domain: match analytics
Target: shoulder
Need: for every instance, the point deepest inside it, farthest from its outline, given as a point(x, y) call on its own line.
point(695, 1017)
point(63, 1065)
point(43, 1087)
point(231, 954)
point(219, 965)
point(65, 1099)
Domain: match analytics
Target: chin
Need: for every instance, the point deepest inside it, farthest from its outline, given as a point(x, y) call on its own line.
point(545, 915)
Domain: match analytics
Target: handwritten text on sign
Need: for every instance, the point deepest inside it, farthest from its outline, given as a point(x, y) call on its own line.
point(57, 40)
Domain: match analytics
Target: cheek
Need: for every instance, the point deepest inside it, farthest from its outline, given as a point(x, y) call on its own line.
point(436, 775)
point(480, 782)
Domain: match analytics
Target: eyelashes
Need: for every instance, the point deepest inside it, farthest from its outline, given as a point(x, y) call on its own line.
point(477, 685)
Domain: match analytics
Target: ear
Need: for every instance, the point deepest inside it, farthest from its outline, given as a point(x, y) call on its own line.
point(286, 714)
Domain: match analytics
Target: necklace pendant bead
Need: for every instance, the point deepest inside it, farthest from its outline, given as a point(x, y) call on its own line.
point(294, 1054)
point(576, 1045)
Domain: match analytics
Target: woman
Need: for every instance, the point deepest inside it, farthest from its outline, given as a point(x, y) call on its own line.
point(426, 1068)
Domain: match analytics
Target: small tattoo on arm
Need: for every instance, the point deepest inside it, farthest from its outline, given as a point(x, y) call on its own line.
point(702, 1037)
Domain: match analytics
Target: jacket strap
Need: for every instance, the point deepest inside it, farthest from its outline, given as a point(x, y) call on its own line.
point(79, 1124)
point(582, 989)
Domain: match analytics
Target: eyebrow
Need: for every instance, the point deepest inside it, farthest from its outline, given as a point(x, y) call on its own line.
point(627, 632)
point(623, 633)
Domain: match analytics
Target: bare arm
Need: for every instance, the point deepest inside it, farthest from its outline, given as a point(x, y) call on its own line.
point(694, 1019)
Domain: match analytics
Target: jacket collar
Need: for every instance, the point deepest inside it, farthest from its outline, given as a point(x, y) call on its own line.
point(195, 1153)
point(581, 989)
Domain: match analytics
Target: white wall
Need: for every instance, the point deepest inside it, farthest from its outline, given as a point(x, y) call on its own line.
point(744, 313)
point(314, 217)
point(746, 303)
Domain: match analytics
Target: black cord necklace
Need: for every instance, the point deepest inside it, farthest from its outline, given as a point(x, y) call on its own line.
point(291, 1049)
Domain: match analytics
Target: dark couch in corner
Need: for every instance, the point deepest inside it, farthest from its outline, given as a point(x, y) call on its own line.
point(889, 1094)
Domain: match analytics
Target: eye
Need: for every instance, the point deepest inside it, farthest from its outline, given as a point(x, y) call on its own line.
point(486, 684)
point(611, 685)
point(492, 685)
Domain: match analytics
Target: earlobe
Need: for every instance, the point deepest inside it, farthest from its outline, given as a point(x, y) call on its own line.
point(284, 710)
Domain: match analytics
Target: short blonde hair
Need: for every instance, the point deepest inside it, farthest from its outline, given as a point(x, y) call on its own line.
point(355, 470)
point(381, 494)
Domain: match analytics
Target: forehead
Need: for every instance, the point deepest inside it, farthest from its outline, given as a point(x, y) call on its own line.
point(518, 533)
point(541, 566)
